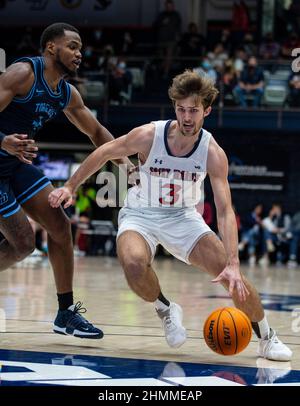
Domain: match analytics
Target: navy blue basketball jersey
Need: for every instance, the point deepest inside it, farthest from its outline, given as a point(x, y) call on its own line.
point(28, 114)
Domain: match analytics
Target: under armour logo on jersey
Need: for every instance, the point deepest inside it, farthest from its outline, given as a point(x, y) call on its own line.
point(40, 91)
point(158, 161)
point(197, 167)
point(3, 198)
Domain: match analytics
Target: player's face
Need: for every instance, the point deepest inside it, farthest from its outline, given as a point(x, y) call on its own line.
point(68, 52)
point(190, 115)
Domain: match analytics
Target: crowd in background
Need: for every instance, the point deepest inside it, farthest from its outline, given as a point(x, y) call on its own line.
point(137, 65)
point(241, 63)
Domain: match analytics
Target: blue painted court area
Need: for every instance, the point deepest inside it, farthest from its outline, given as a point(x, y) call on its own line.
point(25, 368)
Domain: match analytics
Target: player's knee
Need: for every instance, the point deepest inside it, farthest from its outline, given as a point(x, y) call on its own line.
point(135, 267)
point(60, 230)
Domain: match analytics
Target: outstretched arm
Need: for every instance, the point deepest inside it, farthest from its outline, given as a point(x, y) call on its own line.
point(86, 122)
point(139, 140)
point(217, 168)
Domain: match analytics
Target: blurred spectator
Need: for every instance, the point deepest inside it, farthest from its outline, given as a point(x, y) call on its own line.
point(226, 40)
point(295, 230)
point(249, 45)
point(107, 61)
point(294, 85)
point(206, 69)
point(90, 59)
point(228, 82)
point(251, 83)
point(119, 83)
point(217, 57)
point(168, 30)
point(240, 60)
point(269, 49)
point(291, 43)
point(251, 232)
point(97, 40)
point(192, 43)
point(240, 21)
point(240, 16)
point(276, 233)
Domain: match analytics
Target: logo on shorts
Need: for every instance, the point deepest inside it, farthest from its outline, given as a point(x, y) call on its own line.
point(3, 198)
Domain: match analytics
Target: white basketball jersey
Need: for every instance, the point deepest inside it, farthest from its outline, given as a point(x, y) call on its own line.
point(168, 181)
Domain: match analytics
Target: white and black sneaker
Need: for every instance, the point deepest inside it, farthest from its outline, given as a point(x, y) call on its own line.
point(274, 349)
point(70, 322)
point(171, 319)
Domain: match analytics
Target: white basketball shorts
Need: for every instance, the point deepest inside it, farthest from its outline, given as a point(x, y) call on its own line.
point(177, 230)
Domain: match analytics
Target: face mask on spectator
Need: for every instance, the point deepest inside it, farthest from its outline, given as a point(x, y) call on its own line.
point(206, 65)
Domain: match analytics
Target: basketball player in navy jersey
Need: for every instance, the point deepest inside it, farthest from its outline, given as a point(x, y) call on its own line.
point(33, 91)
point(174, 158)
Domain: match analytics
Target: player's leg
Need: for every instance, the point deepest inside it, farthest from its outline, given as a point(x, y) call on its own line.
point(31, 189)
point(209, 255)
point(60, 252)
point(135, 253)
point(18, 242)
point(135, 257)
point(58, 228)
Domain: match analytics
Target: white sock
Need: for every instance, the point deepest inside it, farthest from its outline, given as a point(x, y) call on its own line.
point(264, 328)
point(160, 305)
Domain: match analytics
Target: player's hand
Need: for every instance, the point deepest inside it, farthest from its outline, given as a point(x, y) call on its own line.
point(20, 146)
point(60, 195)
point(232, 275)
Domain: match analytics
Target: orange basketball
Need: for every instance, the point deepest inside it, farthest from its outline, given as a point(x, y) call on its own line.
point(227, 331)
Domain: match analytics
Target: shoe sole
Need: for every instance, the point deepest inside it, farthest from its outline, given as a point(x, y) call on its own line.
point(77, 333)
point(278, 359)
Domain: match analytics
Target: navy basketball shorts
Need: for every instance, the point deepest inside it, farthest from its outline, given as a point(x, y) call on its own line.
point(24, 183)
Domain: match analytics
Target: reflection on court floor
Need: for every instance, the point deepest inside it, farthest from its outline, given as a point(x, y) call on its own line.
point(37, 368)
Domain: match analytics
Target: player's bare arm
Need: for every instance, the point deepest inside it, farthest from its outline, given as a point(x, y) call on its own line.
point(217, 169)
point(137, 141)
point(17, 81)
point(85, 121)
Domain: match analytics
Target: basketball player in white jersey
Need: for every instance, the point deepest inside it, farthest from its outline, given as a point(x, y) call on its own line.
point(174, 157)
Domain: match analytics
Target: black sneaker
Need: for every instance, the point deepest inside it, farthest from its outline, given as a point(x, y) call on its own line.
point(70, 322)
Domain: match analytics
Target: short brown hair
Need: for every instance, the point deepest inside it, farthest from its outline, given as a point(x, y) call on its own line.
point(189, 83)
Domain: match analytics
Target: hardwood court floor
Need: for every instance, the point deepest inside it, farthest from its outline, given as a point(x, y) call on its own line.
point(132, 329)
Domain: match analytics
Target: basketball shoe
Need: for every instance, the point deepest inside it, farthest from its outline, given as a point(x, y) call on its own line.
point(70, 322)
point(171, 319)
point(274, 349)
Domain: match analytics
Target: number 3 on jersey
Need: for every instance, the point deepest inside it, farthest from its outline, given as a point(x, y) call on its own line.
point(170, 194)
